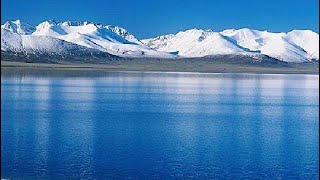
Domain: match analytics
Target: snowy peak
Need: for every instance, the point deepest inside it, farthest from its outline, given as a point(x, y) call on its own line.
point(46, 24)
point(195, 43)
point(75, 23)
point(290, 47)
point(106, 38)
point(307, 40)
point(18, 27)
point(123, 33)
point(109, 32)
point(51, 28)
point(14, 42)
point(243, 34)
point(294, 46)
point(196, 33)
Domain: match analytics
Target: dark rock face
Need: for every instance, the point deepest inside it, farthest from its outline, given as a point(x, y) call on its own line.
point(81, 56)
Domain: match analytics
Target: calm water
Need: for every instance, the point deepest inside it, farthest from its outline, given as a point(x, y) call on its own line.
point(132, 125)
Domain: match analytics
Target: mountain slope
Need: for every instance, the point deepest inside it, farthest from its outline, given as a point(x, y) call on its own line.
point(19, 27)
point(70, 37)
point(195, 43)
point(30, 44)
point(295, 46)
point(111, 39)
point(278, 45)
point(46, 49)
point(307, 40)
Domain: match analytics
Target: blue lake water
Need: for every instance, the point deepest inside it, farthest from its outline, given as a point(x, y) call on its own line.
point(72, 125)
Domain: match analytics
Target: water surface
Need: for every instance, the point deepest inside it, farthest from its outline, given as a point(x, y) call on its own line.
point(97, 125)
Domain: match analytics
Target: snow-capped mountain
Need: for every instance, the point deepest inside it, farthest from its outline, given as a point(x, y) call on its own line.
point(47, 49)
point(307, 40)
point(30, 44)
point(195, 43)
point(69, 37)
point(18, 26)
point(110, 39)
point(294, 46)
point(284, 46)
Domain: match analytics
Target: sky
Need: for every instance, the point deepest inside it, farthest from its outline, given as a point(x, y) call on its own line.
point(150, 18)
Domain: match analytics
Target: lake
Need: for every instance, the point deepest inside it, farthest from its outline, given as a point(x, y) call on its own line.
point(98, 125)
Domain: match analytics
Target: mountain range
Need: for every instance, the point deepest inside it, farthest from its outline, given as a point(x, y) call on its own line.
point(93, 40)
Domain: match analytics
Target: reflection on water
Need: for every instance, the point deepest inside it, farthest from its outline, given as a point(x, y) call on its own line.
point(73, 124)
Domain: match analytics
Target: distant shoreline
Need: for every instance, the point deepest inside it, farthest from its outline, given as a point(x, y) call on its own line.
point(187, 66)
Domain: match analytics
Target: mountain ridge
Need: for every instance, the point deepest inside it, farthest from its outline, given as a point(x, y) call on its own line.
point(296, 46)
point(276, 45)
